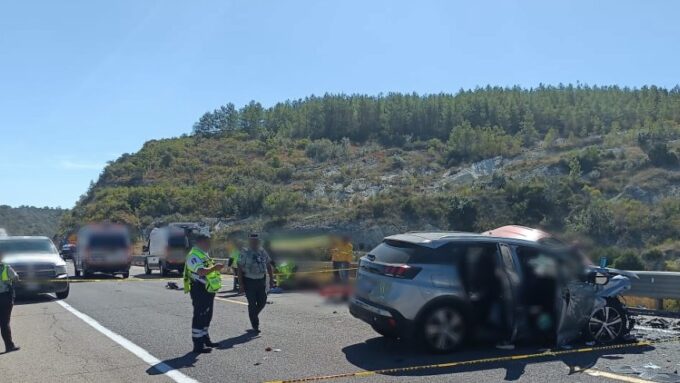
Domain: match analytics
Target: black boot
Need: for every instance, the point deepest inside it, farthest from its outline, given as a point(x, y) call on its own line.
point(12, 348)
point(208, 343)
point(199, 347)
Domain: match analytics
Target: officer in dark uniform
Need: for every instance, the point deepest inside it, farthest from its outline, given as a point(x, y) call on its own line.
point(253, 266)
point(7, 279)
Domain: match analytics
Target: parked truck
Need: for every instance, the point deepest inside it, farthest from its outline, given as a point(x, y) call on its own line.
point(167, 248)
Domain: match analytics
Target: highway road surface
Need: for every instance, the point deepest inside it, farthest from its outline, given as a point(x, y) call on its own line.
point(139, 331)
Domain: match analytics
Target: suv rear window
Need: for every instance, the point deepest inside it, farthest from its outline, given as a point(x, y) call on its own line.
point(177, 241)
point(397, 252)
point(108, 241)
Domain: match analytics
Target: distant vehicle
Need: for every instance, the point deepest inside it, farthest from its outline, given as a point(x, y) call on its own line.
point(41, 270)
point(446, 288)
point(67, 251)
point(3, 232)
point(104, 248)
point(167, 250)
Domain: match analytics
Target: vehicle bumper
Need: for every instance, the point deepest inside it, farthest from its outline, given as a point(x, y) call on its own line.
point(179, 266)
point(381, 317)
point(28, 287)
point(107, 267)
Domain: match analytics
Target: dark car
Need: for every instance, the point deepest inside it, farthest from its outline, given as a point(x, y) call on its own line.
point(67, 251)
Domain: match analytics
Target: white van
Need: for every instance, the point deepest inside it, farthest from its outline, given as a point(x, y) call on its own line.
point(103, 248)
point(168, 248)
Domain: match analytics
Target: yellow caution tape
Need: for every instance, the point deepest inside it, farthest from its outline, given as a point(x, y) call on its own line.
point(134, 279)
point(546, 354)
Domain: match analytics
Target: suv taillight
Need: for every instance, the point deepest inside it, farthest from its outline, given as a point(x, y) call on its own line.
point(394, 271)
point(402, 271)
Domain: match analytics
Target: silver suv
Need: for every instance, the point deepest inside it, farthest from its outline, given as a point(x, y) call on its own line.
point(37, 262)
point(445, 288)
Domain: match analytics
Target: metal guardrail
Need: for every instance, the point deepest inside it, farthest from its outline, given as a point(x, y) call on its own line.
point(656, 285)
point(652, 284)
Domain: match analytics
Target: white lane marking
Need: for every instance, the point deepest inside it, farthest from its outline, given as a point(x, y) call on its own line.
point(609, 375)
point(231, 301)
point(141, 353)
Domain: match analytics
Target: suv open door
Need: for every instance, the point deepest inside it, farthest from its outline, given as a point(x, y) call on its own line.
point(574, 299)
point(508, 274)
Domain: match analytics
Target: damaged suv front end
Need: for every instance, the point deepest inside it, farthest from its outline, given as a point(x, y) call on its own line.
point(609, 320)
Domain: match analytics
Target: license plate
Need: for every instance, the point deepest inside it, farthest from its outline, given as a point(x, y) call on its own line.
point(365, 285)
point(31, 286)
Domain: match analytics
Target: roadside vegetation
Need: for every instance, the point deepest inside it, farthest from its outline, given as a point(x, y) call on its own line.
point(30, 220)
point(595, 163)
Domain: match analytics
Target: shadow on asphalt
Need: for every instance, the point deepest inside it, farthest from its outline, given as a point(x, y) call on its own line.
point(190, 358)
point(33, 299)
point(240, 339)
point(186, 360)
point(156, 276)
point(383, 353)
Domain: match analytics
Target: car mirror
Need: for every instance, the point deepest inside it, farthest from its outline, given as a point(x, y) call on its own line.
point(601, 279)
point(598, 278)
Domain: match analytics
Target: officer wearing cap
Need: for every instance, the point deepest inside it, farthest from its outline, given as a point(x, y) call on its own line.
point(253, 266)
point(201, 280)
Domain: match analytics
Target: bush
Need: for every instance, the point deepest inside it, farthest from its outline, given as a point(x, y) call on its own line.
point(461, 214)
point(283, 203)
point(659, 155)
point(467, 143)
point(653, 260)
point(324, 150)
point(285, 174)
point(629, 261)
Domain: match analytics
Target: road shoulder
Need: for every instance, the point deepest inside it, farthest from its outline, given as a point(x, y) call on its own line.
point(56, 346)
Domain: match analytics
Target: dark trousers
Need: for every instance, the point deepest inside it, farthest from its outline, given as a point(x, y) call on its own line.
point(256, 293)
point(203, 303)
point(6, 305)
point(236, 279)
point(340, 272)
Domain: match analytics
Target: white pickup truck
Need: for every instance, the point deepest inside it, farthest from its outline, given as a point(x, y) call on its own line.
point(167, 250)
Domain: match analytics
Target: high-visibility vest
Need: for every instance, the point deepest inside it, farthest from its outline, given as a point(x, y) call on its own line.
point(4, 275)
point(213, 280)
point(235, 255)
point(284, 271)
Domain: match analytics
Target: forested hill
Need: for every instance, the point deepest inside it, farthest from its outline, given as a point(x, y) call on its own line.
point(29, 220)
point(595, 161)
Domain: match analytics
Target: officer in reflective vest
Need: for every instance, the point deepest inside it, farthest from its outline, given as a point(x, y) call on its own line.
point(201, 280)
point(7, 279)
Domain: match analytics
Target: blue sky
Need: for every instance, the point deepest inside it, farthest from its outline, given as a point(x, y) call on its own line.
point(82, 82)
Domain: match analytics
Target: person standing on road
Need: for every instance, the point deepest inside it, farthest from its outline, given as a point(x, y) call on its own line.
point(7, 279)
point(253, 266)
point(341, 256)
point(234, 255)
point(202, 280)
